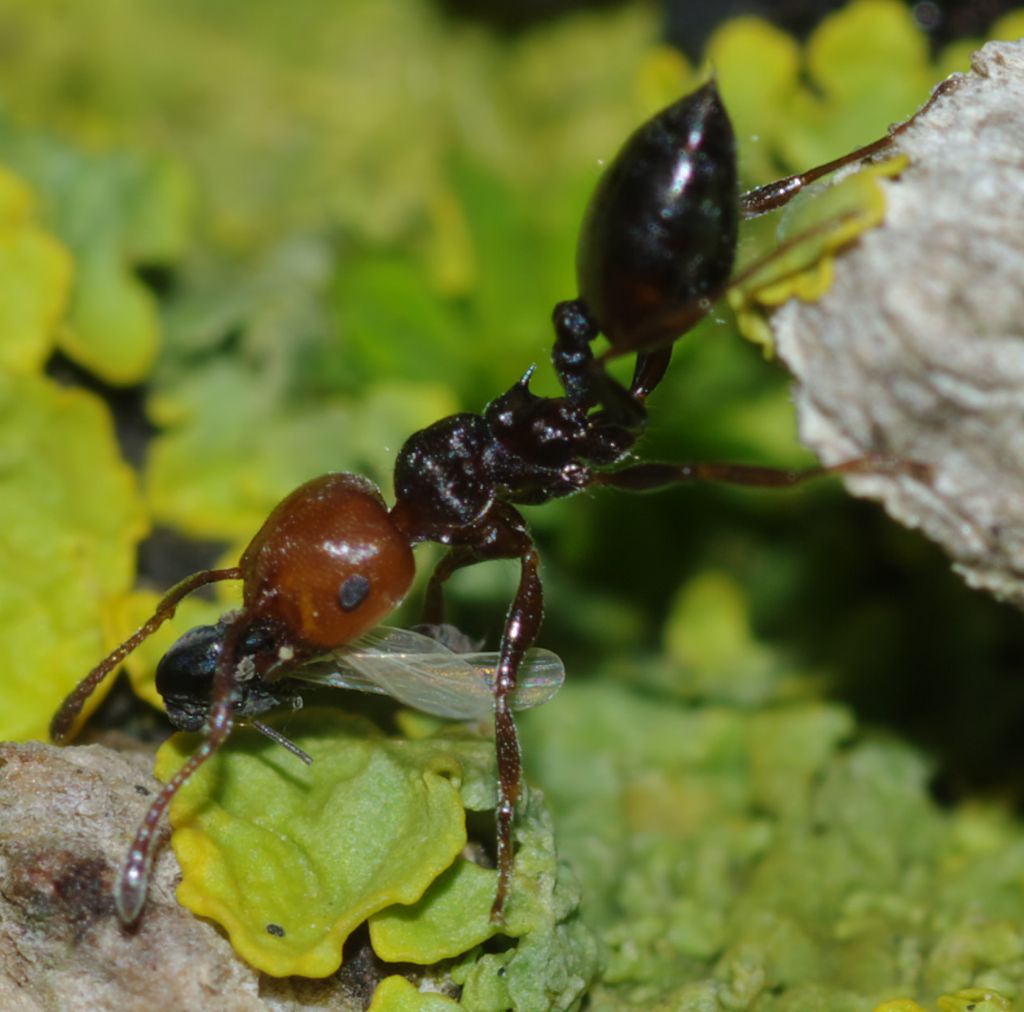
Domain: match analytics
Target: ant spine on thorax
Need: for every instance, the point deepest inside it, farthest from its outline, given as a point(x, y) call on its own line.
point(656, 250)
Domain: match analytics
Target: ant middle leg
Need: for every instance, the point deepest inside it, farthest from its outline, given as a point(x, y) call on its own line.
point(502, 535)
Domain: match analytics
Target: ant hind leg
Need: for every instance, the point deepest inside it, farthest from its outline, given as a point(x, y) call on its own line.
point(780, 192)
point(776, 194)
point(651, 477)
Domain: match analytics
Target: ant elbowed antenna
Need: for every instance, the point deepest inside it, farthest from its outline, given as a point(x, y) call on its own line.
point(656, 250)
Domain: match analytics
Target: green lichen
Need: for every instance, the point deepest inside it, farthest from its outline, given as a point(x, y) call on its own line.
point(816, 226)
point(769, 857)
point(115, 212)
point(372, 829)
point(36, 275)
point(70, 520)
point(396, 994)
point(290, 859)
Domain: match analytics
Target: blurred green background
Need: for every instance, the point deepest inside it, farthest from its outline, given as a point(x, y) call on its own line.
point(246, 243)
point(298, 236)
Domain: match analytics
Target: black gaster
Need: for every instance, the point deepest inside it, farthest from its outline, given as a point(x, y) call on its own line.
point(659, 237)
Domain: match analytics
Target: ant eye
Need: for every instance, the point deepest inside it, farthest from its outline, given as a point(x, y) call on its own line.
point(353, 592)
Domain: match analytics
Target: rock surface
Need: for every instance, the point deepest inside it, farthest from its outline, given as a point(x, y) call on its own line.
point(67, 816)
point(917, 350)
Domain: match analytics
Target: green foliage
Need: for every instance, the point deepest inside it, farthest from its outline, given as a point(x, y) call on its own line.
point(311, 229)
point(36, 275)
point(115, 212)
point(364, 832)
point(265, 841)
point(70, 518)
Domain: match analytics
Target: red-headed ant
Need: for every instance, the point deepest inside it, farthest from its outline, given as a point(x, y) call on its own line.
point(656, 250)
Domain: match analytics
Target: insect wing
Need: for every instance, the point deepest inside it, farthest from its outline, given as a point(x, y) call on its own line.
point(426, 675)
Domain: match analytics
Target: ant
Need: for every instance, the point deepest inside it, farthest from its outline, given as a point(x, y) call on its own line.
point(656, 250)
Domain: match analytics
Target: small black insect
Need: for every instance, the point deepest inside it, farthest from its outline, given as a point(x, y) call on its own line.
point(656, 250)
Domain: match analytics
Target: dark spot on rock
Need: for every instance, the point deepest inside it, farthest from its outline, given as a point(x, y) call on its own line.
point(361, 969)
point(144, 791)
point(62, 892)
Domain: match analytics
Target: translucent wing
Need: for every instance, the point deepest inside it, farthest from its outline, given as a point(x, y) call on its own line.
point(427, 675)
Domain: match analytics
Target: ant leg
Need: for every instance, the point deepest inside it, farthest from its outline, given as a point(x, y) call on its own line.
point(60, 726)
point(133, 882)
point(433, 598)
point(649, 370)
point(651, 477)
point(503, 535)
point(521, 626)
point(770, 196)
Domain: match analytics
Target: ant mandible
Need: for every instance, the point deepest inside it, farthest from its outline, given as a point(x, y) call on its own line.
point(656, 250)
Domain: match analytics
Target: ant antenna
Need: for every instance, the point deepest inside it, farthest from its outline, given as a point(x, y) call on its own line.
point(60, 726)
point(280, 739)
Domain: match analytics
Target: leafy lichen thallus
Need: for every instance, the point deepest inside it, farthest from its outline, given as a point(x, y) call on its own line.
point(656, 249)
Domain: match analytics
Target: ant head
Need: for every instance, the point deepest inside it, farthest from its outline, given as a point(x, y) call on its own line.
point(327, 565)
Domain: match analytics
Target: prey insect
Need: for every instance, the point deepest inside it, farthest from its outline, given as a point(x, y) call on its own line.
point(423, 671)
point(656, 250)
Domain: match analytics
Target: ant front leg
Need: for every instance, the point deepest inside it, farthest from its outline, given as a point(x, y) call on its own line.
point(60, 726)
point(133, 882)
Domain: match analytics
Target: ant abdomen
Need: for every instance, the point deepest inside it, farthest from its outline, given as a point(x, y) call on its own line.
point(659, 236)
point(328, 563)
